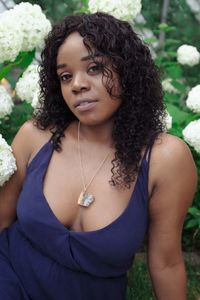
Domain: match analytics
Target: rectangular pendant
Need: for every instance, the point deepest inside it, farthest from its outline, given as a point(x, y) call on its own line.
point(85, 199)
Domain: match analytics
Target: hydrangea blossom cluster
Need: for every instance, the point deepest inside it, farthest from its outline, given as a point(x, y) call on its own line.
point(6, 103)
point(22, 28)
point(193, 99)
point(168, 87)
point(27, 86)
point(7, 161)
point(188, 55)
point(124, 10)
point(34, 25)
point(191, 134)
point(10, 37)
point(167, 121)
point(35, 101)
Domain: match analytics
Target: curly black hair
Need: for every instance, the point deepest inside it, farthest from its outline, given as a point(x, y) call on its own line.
point(142, 110)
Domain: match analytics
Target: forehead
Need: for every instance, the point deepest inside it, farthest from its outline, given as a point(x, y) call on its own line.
point(71, 47)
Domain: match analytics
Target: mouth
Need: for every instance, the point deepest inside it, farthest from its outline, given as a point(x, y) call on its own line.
point(85, 104)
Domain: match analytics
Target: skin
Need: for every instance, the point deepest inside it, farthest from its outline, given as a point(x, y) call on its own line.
point(81, 78)
point(172, 173)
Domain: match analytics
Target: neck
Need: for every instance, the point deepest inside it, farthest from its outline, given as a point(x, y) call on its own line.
point(98, 134)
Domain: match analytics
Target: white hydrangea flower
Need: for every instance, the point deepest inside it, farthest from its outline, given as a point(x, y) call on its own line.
point(7, 161)
point(124, 10)
point(168, 87)
point(22, 28)
point(33, 24)
point(193, 99)
point(28, 84)
point(167, 121)
point(6, 103)
point(191, 134)
point(188, 55)
point(35, 101)
point(11, 37)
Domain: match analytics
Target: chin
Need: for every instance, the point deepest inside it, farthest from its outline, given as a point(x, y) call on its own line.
point(95, 121)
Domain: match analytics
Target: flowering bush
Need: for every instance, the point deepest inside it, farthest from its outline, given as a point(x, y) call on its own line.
point(188, 55)
point(7, 161)
point(27, 85)
point(6, 103)
point(168, 121)
point(191, 134)
point(193, 100)
point(183, 103)
point(34, 26)
point(124, 10)
point(10, 38)
point(22, 28)
point(168, 86)
point(35, 101)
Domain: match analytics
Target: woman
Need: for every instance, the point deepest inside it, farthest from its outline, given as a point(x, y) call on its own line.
point(96, 172)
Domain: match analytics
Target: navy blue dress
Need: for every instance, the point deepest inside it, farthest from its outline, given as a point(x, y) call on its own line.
point(41, 259)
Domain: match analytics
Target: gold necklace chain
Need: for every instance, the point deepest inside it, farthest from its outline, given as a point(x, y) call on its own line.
point(86, 199)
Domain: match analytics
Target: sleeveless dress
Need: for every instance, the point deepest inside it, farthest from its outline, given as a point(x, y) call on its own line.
point(41, 259)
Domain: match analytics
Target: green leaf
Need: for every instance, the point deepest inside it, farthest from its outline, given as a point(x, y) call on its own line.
point(194, 211)
point(192, 223)
point(179, 86)
point(26, 59)
point(166, 28)
point(179, 116)
point(171, 42)
point(172, 54)
point(174, 71)
point(172, 98)
point(151, 40)
point(23, 60)
point(6, 70)
point(162, 26)
point(85, 2)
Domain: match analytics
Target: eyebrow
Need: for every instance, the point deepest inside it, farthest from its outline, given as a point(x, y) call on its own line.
point(85, 58)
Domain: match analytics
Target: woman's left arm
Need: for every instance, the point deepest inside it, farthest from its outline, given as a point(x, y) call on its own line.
point(173, 178)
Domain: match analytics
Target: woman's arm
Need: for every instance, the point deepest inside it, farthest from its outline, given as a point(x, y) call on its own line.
point(22, 148)
point(173, 176)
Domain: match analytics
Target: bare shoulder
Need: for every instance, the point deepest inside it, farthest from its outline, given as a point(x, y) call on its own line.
point(26, 143)
point(171, 154)
point(173, 174)
point(28, 140)
point(171, 147)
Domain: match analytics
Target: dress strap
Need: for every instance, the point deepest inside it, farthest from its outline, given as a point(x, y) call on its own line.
point(147, 154)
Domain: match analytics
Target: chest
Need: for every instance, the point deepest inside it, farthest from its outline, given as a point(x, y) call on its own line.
point(63, 183)
point(113, 226)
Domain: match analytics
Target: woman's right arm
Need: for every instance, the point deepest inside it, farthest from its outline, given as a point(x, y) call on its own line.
point(22, 149)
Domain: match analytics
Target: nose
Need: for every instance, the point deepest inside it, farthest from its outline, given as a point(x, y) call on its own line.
point(80, 83)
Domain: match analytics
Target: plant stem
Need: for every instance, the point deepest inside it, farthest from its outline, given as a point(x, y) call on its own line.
point(165, 9)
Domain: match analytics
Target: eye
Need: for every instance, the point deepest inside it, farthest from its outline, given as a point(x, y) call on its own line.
point(97, 68)
point(65, 77)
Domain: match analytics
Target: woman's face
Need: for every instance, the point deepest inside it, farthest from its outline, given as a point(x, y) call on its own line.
point(81, 81)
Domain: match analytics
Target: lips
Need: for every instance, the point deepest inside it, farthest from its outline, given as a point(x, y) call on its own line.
point(83, 102)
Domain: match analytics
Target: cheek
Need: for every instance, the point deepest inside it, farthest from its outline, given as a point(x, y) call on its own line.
point(112, 106)
point(64, 93)
point(66, 97)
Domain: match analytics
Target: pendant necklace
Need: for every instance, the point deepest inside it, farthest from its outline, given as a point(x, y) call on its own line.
point(85, 199)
